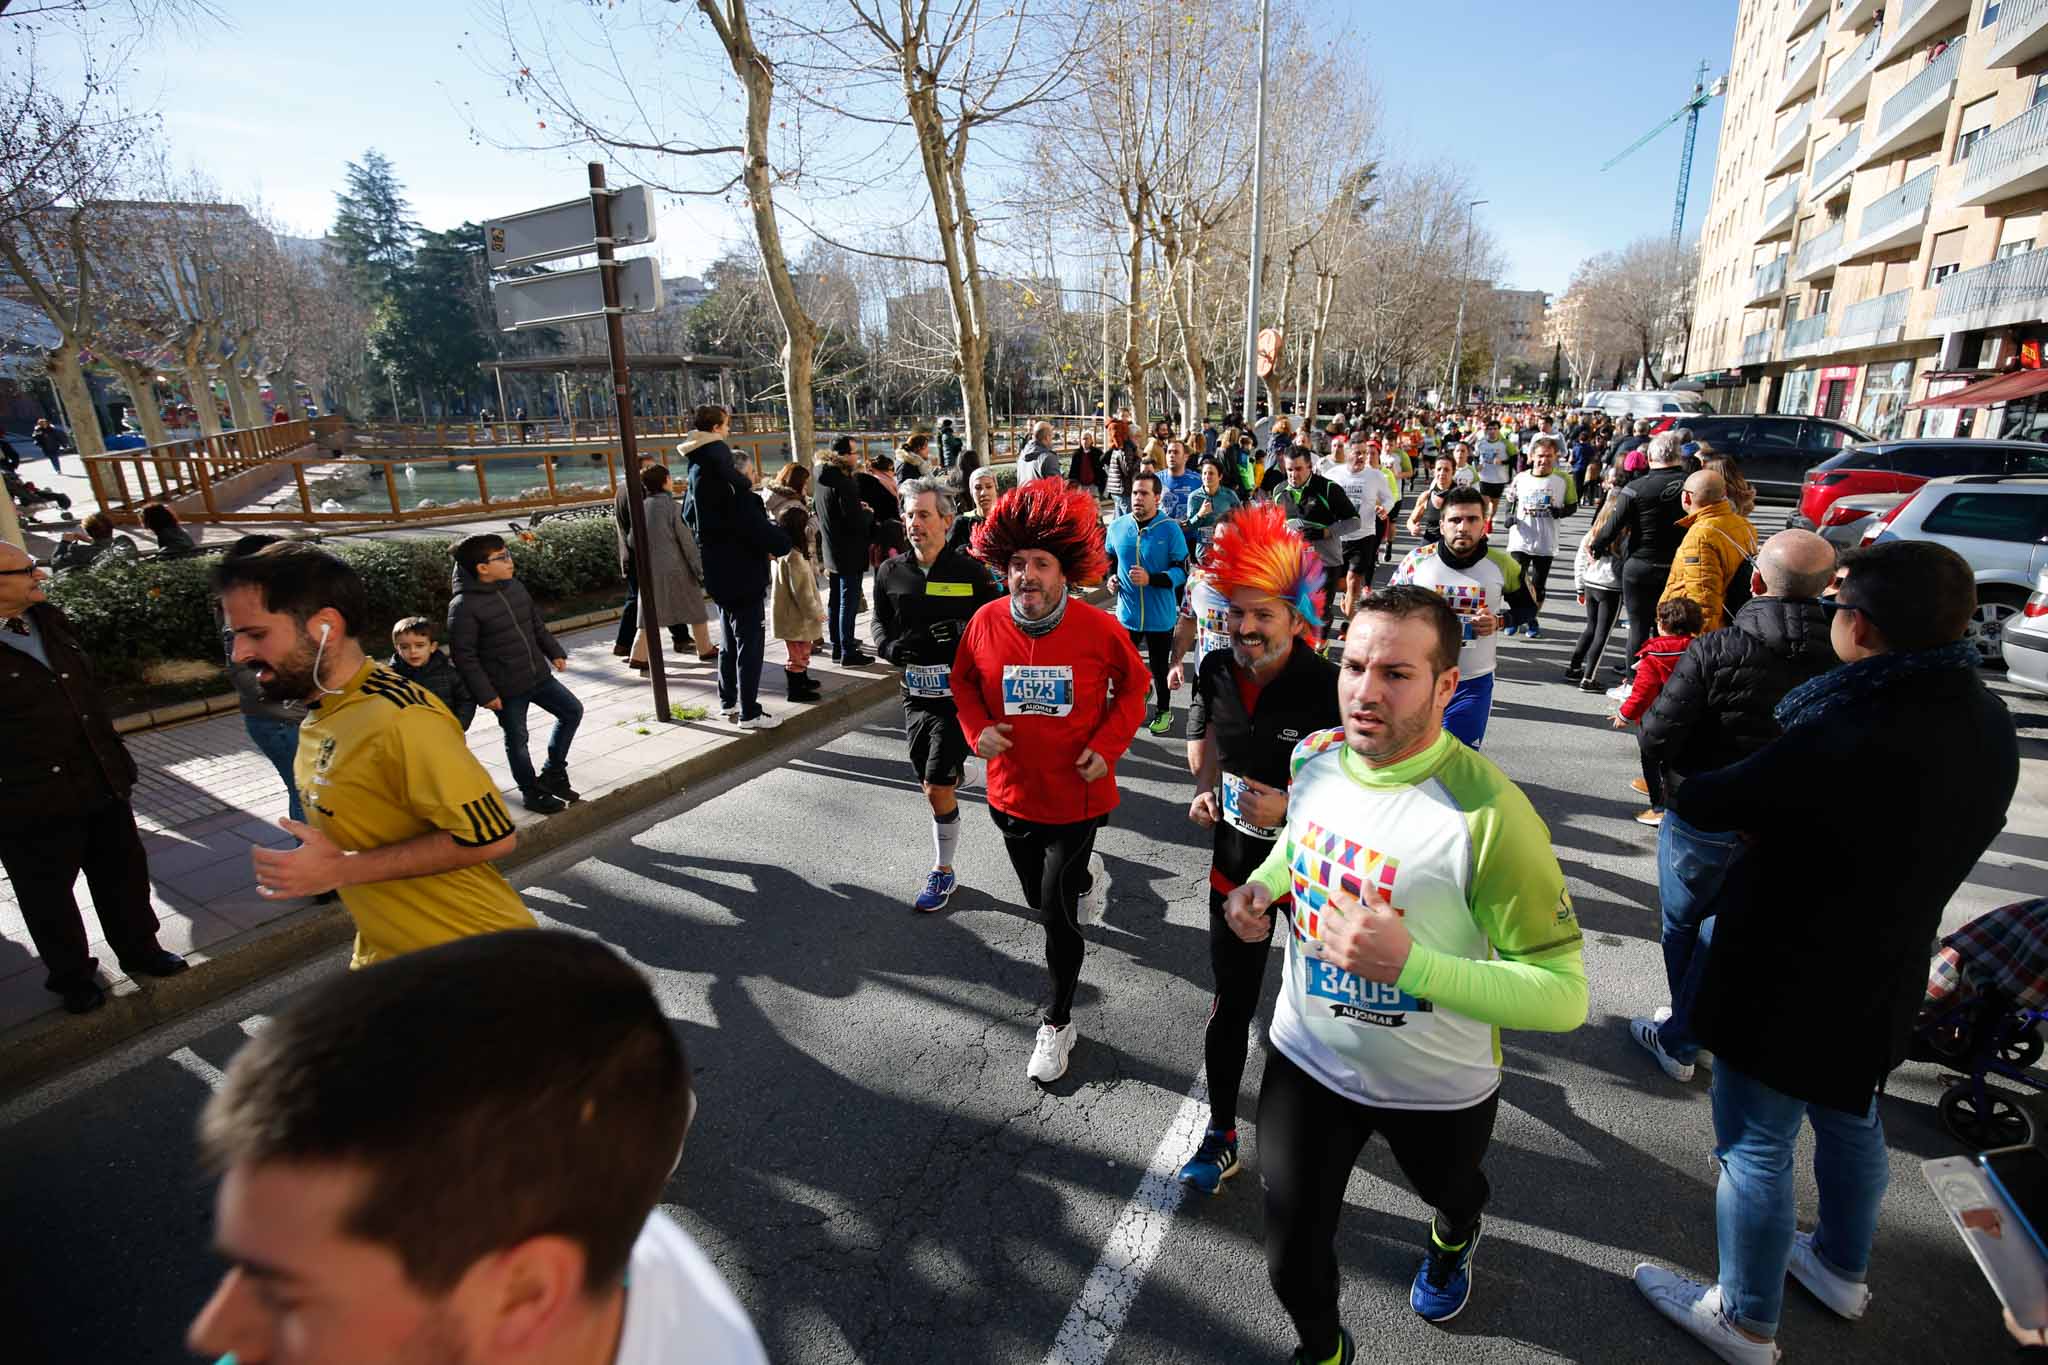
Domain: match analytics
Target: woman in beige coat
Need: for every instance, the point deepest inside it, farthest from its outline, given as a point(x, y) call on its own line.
point(675, 570)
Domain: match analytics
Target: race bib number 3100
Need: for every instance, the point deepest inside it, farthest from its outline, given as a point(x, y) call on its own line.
point(1038, 690)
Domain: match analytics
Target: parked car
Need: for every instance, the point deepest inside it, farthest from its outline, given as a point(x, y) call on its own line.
point(1651, 403)
point(1775, 450)
point(1999, 523)
point(2025, 642)
point(1902, 466)
point(1848, 518)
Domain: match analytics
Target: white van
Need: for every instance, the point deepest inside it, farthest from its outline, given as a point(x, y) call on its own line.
point(1621, 404)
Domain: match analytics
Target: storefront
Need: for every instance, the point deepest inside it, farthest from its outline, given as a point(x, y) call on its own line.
point(1795, 393)
point(2017, 403)
point(1882, 409)
point(1837, 384)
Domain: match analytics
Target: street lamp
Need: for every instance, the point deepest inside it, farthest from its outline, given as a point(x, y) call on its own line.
point(1251, 317)
point(1464, 287)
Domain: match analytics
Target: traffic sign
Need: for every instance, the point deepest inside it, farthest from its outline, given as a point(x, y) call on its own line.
point(568, 229)
point(567, 295)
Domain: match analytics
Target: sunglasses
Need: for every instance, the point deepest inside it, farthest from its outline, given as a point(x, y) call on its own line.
point(1834, 606)
point(30, 570)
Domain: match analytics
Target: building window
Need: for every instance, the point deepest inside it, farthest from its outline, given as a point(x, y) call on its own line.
point(1942, 272)
point(1885, 386)
point(1990, 14)
point(1975, 122)
point(2040, 90)
point(1969, 140)
point(2015, 248)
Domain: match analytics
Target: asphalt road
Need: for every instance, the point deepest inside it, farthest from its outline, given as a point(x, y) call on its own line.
point(874, 1174)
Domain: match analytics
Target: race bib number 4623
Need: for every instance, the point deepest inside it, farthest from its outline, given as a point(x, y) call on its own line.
point(1038, 689)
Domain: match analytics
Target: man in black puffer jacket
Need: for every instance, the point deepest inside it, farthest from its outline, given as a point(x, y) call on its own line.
point(508, 660)
point(1716, 710)
point(738, 543)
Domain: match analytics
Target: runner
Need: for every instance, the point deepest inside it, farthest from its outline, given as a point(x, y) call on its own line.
point(1254, 701)
point(1320, 513)
point(1148, 555)
point(1398, 468)
point(1032, 679)
point(1372, 500)
point(1428, 912)
point(1538, 497)
point(923, 602)
point(1479, 583)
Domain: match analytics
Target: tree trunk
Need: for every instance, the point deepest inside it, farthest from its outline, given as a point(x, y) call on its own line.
point(238, 397)
point(139, 380)
point(1326, 294)
point(193, 350)
point(67, 377)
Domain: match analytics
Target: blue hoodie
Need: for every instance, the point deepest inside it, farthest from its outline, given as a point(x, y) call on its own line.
point(1161, 549)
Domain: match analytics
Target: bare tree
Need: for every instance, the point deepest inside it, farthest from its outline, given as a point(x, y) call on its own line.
point(1643, 292)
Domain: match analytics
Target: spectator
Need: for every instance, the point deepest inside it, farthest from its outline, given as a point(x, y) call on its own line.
point(416, 658)
point(1121, 457)
point(408, 821)
point(911, 460)
point(844, 522)
point(738, 543)
point(983, 487)
point(273, 726)
point(1084, 469)
point(1717, 711)
point(1719, 547)
point(676, 567)
point(83, 549)
point(1740, 491)
point(1678, 625)
point(877, 484)
point(1038, 460)
point(64, 799)
point(463, 1147)
point(950, 445)
point(622, 529)
point(791, 487)
point(1629, 440)
point(504, 650)
point(1819, 962)
point(799, 617)
point(1597, 578)
point(1647, 513)
point(172, 540)
point(50, 441)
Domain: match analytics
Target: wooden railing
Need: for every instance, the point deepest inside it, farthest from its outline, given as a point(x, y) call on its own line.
point(179, 471)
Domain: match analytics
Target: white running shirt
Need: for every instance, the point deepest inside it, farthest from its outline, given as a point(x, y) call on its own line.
point(1493, 460)
point(1537, 503)
point(1368, 492)
point(1483, 583)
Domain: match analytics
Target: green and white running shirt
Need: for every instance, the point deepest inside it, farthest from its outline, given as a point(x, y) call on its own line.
point(1469, 867)
point(1486, 582)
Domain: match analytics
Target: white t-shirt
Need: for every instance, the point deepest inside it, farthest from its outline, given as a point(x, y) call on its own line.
point(1464, 476)
point(1368, 491)
point(1493, 460)
point(1537, 503)
point(1480, 584)
point(678, 1306)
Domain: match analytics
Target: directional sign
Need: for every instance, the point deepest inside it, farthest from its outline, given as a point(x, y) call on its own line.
point(568, 229)
point(566, 295)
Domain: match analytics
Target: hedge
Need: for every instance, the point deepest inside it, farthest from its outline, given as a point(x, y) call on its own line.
point(132, 613)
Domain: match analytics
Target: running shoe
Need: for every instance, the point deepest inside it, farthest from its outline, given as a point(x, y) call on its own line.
point(1095, 900)
point(1620, 690)
point(1443, 1283)
point(1644, 1031)
point(1843, 1296)
point(1161, 723)
point(1700, 1310)
point(938, 889)
point(1534, 631)
point(1347, 1354)
point(1214, 1162)
point(1049, 1054)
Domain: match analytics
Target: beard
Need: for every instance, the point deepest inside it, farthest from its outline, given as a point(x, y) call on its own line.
point(1396, 735)
point(295, 679)
point(1252, 652)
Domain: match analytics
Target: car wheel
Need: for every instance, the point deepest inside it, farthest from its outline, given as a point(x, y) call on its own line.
point(1995, 606)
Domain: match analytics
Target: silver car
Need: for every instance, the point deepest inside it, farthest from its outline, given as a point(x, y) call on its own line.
point(1849, 520)
point(1999, 524)
point(2025, 641)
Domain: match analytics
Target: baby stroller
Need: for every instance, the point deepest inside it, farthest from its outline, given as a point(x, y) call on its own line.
point(1987, 995)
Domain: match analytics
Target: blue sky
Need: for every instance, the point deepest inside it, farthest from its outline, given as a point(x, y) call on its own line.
point(1531, 97)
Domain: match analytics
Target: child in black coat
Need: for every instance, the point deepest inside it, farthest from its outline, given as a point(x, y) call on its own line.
point(418, 658)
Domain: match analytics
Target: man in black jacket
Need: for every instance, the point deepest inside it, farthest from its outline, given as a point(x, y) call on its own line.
point(1716, 710)
point(1648, 513)
point(738, 543)
point(64, 783)
point(1820, 951)
point(923, 602)
point(844, 523)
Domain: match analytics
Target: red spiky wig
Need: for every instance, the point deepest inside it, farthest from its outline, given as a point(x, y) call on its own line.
point(1047, 515)
point(1254, 549)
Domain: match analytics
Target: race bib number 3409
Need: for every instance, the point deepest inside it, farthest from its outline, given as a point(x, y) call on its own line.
point(1038, 689)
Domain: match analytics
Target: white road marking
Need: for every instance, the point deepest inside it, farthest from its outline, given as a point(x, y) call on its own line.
point(200, 1067)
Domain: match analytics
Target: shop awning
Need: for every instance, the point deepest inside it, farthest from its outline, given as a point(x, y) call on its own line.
point(2004, 389)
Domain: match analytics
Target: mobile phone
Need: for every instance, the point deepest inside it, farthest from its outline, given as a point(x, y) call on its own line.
point(2021, 1176)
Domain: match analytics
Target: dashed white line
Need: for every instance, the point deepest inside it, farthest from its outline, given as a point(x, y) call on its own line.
point(200, 1067)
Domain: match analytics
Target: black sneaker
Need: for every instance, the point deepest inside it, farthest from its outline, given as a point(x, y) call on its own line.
point(1347, 1353)
point(555, 782)
point(162, 962)
point(542, 802)
point(1591, 683)
point(855, 659)
point(1574, 673)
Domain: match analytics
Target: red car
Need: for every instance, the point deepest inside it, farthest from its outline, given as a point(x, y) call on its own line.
point(1902, 466)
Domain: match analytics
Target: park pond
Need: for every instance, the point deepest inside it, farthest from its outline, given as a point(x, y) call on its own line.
point(424, 485)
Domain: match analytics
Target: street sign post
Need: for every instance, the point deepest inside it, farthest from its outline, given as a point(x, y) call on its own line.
point(567, 295)
point(567, 229)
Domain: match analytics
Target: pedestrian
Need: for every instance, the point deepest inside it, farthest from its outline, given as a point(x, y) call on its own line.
point(1678, 625)
point(1495, 464)
point(505, 652)
point(738, 543)
point(844, 521)
point(401, 819)
point(416, 658)
point(1178, 482)
point(50, 441)
point(1819, 964)
point(630, 613)
point(1719, 548)
point(93, 544)
point(982, 489)
point(525, 426)
point(64, 803)
point(1426, 912)
point(461, 1156)
point(1425, 523)
point(1148, 556)
point(798, 616)
point(1716, 711)
point(1084, 467)
point(950, 445)
point(1597, 580)
point(877, 485)
point(173, 541)
point(1050, 692)
point(912, 459)
point(1320, 513)
point(1648, 511)
point(677, 596)
point(1373, 501)
point(1536, 498)
point(791, 487)
point(1038, 459)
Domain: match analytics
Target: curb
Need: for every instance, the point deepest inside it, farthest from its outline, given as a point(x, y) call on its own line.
point(38, 1049)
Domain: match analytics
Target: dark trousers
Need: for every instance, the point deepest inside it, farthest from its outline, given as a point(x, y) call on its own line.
point(1052, 867)
point(43, 861)
point(1240, 972)
point(1157, 647)
point(558, 701)
point(1653, 775)
point(629, 621)
point(1603, 605)
point(743, 635)
point(1535, 576)
point(843, 614)
point(1309, 1139)
point(1642, 583)
point(1333, 584)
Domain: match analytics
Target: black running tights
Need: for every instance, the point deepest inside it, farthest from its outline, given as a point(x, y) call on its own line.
point(1052, 867)
point(1240, 971)
point(1157, 647)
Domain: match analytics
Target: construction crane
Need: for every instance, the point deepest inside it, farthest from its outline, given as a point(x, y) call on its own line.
point(1690, 112)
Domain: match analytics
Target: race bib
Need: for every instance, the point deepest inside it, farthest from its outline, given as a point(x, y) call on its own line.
point(1234, 790)
point(928, 680)
point(1038, 690)
point(933, 589)
point(1379, 1003)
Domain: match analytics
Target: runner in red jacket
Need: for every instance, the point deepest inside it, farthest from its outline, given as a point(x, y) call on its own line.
point(1050, 692)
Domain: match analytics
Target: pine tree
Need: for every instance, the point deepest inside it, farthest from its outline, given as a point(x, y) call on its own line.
point(373, 229)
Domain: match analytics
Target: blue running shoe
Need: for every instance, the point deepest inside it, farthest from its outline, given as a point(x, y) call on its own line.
point(1347, 1353)
point(938, 889)
point(1532, 632)
point(1444, 1281)
point(1214, 1162)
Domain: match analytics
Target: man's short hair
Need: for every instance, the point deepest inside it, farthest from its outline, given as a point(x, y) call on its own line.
point(1550, 441)
point(1642, 426)
point(413, 625)
point(1664, 448)
point(942, 496)
point(1407, 602)
point(843, 446)
point(471, 551)
point(1463, 495)
point(298, 581)
point(1918, 594)
point(492, 1089)
point(1147, 476)
point(709, 417)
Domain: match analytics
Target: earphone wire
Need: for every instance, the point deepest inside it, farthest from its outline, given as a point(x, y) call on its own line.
point(318, 653)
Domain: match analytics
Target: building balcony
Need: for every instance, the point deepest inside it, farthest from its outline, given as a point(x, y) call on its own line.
point(2020, 35)
point(1802, 70)
point(1920, 21)
point(1766, 284)
point(1756, 347)
point(1848, 87)
point(2011, 159)
point(1855, 13)
point(1808, 336)
point(1919, 110)
point(1791, 146)
point(1895, 219)
point(1782, 211)
point(1818, 257)
point(1832, 169)
point(1996, 295)
point(1805, 12)
point(1874, 322)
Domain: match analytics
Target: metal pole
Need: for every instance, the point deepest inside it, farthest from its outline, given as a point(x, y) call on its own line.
point(1464, 288)
point(629, 446)
point(1251, 307)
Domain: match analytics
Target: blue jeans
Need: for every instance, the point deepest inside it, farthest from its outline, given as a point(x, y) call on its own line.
point(1756, 1132)
point(278, 741)
point(1691, 865)
point(559, 702)
point(1470, 708)
point(844, 614)
point(744, 635)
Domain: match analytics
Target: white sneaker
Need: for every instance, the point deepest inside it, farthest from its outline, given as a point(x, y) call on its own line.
point(1845, 1297)
point(1645, 1032)
point(1095, 900)
point(1049, 1054)
point(1620, 691)
point(1697, 1308)
point(763, 721)
point(731, 713)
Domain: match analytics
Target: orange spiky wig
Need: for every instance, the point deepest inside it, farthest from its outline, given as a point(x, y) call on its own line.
point(1047, 515)
point(1254, 549)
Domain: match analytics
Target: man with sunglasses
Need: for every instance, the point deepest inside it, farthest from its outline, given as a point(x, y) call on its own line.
point(64, 783)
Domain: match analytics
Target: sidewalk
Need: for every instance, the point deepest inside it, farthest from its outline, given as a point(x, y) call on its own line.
point(206, 798)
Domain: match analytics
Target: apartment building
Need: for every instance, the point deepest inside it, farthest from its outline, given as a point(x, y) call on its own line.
point(1875, 239)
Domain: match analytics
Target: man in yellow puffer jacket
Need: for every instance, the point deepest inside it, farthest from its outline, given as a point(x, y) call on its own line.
point(1719, 542)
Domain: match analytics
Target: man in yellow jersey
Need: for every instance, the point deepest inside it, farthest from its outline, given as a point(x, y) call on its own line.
point(401, 820)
